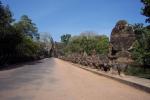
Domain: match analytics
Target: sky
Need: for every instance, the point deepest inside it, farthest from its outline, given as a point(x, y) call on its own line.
point(59, 17)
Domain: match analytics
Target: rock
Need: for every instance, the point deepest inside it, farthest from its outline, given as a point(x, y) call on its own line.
point(121, 41)
point(122, 36)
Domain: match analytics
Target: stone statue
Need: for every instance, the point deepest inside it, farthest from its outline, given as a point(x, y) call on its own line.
point(121, 41)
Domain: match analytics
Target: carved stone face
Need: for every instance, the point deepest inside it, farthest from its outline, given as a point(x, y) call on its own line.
point(122, 36)
point(120, 25)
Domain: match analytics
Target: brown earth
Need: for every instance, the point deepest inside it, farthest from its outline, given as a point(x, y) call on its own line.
point(54, 79)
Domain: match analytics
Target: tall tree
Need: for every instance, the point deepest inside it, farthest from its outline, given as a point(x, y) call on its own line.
point(141, 51)
point(5, 16)
point(27, 27)
point(9, 36)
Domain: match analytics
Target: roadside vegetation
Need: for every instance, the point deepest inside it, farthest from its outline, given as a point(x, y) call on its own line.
point(86, 42)
point(141, 50)
point(91, 49)
point(20, 40)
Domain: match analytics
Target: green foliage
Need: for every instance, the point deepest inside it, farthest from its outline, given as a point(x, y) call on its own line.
point(28, 47)
point(5, 16)
point(26, 27)
point(19, 41)
point(146, 9)
point(141, 51)
point(88, 44)
point(9, 36)
point(65, 38)
point(102, 44)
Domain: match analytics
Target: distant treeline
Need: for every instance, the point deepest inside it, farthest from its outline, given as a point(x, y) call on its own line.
point(86, 42)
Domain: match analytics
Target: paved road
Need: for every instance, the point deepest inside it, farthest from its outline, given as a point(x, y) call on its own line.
point(54, 79)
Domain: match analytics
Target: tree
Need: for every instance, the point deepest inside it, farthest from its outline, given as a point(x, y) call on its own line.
point(28, 30)
point(87, 43)
point(28, 48)
point(141, 51)
point(27, 27)
point(146, 9)
point(19, 41)
point(65, 38)
point(5, 21)
point(102, 44)
point(9, 35)
point(5, 16)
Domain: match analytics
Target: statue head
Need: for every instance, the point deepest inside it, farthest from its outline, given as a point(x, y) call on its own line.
point(121, 24)
point(122, 36)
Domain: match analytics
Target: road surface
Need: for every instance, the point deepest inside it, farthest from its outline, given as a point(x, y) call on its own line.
point(54, 79)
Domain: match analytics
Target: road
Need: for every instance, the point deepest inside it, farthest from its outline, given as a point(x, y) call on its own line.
point(54, 79)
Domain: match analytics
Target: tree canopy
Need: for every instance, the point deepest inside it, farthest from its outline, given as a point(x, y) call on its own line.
point(27, 27)
point(146, 9)
point(19, 41)
point(65, 38)
point(141, 51)
point(87, 43)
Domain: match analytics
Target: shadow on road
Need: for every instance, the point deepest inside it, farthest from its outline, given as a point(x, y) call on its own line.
point(18, 65)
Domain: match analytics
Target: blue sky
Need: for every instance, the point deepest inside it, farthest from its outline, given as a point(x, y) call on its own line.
point(59, 17)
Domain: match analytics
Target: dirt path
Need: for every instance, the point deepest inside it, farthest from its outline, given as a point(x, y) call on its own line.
point(54, 79)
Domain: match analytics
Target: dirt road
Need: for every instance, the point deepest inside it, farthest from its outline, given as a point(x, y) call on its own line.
point(54, 79)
